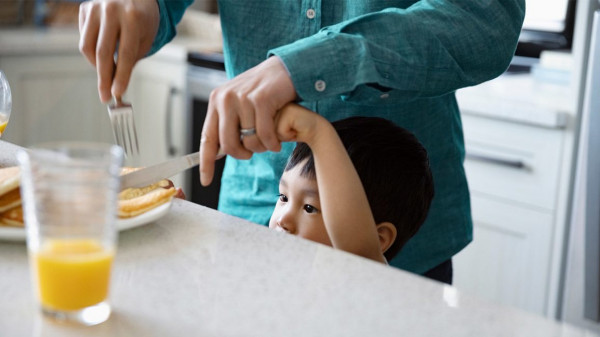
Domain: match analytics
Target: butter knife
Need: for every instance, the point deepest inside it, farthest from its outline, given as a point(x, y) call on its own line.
point(164, 170)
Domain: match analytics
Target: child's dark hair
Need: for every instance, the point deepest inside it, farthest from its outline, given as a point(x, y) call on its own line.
point(394, 170)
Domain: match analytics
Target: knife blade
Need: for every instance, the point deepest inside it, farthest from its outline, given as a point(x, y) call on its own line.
point(164, 170)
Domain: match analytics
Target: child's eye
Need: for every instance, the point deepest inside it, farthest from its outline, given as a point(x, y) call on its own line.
point(310, 208)
point(283, 198)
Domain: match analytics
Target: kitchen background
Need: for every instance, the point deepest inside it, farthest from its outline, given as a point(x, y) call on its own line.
point(532, 154)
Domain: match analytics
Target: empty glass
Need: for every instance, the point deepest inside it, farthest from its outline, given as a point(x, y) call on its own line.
point(5, 102)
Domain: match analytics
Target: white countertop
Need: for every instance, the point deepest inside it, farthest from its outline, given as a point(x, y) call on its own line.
point(198, 272)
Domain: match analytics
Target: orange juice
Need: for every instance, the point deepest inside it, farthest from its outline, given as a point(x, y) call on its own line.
point(72, 274)
point(3, 126)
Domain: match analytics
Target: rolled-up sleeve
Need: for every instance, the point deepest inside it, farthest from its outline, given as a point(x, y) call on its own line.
point(431, 48)
point(171, 12)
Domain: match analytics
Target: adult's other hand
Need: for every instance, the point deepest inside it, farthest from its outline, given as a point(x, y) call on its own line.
point(250, 100)
point(104, 24)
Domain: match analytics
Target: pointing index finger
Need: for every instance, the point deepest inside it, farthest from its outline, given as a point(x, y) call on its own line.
point(209, 147)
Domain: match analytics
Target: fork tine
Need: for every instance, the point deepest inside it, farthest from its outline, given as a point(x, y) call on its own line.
point(114, 120)
point(112, 123)
point(135, 137)
point(123, 125)
point(127, 127)
point(122, 132)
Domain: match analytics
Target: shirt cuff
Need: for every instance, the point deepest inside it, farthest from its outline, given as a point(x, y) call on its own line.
point(313, 81)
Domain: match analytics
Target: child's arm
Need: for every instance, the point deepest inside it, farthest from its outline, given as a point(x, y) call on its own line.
point(344, 205)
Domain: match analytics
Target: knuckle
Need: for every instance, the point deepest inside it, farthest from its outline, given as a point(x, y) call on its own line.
point(228, 95)
point(112, 8)
point(132, 13)
point(256, 97)
point(84, 7)
point(206, 139)
point(103, 52)
point(86, 48)
point(214, 94)
point(244, 100)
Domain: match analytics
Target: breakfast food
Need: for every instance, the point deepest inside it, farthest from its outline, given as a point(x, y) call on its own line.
point(13, 217)
point(135, 201)
point(132, 201)
point(10, 196)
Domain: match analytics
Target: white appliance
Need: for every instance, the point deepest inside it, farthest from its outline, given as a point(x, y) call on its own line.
point(581, 296)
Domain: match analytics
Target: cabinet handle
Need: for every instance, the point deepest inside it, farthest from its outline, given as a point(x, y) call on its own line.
point(171, 149)
point(513, 163)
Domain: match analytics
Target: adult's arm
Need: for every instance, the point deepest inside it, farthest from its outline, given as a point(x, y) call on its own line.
point(171, 12)
point(431, 48)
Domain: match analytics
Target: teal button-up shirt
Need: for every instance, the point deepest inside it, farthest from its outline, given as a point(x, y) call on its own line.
point(397, 59)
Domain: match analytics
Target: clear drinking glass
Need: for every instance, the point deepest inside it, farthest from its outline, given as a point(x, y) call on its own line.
point(5, 102)
point(69, 195)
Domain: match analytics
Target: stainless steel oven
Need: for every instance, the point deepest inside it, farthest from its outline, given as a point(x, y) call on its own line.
point(205, 72)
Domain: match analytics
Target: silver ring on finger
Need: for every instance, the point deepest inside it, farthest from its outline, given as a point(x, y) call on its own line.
point(244, 132)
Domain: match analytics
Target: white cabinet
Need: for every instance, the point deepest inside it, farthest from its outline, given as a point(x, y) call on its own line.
point(508, 260)
point(54, 98)
point(512, 170)
point(518, 168)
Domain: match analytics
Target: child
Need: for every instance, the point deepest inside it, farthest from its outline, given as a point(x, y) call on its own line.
point(362, 184)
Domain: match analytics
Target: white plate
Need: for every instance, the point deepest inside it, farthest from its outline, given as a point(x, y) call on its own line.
point(18, 234)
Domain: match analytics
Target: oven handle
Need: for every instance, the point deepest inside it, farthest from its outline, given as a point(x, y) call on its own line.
point(171, 149)
point(514, 163)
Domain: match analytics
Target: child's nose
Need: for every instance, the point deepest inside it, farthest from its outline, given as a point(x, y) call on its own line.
point(286, 221)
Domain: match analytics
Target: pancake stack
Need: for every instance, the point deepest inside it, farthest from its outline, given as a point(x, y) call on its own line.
point(132, 201)
point(11, 213)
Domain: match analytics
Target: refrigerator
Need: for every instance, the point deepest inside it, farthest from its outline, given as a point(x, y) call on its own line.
point(581, 291)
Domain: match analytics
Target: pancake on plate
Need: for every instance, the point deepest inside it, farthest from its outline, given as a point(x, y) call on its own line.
point(138, 200)
point(132, 201)
point(13, 217)
point(10, 196)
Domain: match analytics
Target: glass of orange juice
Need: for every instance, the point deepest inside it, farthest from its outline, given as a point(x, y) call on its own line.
point(69, 193)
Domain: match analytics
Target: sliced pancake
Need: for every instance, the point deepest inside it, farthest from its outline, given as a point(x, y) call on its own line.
point(13, 217)
point(10, 195)
point(143, 199)
point(132, 201)
point(9, 178)
point(135, 201)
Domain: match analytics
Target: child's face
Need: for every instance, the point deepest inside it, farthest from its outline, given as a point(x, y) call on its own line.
point(298, 210)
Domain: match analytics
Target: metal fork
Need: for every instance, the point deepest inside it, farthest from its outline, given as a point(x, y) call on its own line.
point(123, 126)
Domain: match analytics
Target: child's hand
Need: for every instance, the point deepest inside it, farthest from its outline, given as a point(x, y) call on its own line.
point(295, 123)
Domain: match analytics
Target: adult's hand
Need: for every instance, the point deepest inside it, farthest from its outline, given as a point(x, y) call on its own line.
point(132, 24)
point(250, 100)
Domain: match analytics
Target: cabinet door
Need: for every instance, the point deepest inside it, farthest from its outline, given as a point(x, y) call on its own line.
point(55, 98)
point(513, 162)
point(509, 259)
point(156, 93)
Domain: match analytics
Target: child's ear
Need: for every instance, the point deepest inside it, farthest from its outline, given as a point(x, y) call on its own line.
point(387, 235)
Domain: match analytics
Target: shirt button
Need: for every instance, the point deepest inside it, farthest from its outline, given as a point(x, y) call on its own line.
point(310, 13)
point(320, 85)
